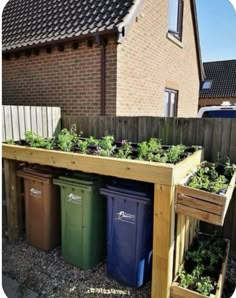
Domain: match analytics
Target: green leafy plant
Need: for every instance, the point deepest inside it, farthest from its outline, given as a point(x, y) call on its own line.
point(205, 286)
point(10, 142)
point(204, 256)
point(67, 139)
point(148, 149)
point(125, 150)
point(174, 153)
point(37, 141)
point(209, 177)
point(106, 146)
point(83, 146)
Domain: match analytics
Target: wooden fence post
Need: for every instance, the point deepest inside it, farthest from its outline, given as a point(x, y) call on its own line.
point(12, 199)
point(163, 241)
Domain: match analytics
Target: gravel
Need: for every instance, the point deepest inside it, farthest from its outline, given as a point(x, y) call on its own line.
point(47, 274)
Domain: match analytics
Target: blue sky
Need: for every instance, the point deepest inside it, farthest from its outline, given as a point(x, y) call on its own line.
point(217, 29)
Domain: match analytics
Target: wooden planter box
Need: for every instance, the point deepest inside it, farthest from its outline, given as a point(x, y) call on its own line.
point(178, 292)
point(163, 176)
point(203, 205)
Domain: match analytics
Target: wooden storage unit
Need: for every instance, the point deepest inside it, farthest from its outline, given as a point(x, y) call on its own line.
point(203, 205)
point(164, 177)
point(179, 292)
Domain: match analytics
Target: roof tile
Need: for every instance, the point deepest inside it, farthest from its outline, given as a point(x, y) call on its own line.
point(39, 21)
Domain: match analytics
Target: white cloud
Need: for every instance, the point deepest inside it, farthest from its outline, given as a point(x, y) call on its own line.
point(233, 2)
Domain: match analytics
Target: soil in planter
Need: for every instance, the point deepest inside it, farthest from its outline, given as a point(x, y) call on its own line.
point(202, 265)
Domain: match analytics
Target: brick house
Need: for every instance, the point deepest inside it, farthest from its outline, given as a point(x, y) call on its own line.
point(93, 57)
point(219, 84)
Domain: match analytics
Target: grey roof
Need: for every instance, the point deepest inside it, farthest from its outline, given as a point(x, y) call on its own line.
point(223, 77)
point(29, 22)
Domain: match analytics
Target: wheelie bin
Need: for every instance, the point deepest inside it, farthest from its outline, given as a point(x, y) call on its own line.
point(129, 231)
point(42, 207)
point(83, 219)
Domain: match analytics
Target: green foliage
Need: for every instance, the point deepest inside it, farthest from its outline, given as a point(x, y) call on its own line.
point(174, 153)
point(83, 146)
point(209, 178)
point(10, 141)
point(106, 146)
point(37, 141)
point(205, 286)
point(125, 150)
point(67, 139)
point(204, 258)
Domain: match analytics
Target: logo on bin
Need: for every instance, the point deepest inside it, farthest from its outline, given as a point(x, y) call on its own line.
point(35, 193)
point(74, 198)
point(123, 216)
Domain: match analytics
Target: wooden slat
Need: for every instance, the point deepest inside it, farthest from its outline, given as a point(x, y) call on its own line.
point(8, 120)
point(49, 117)
point(201, 194)
point(178, 292)
point(56, 116)
point(220, 284)
point(44, 122)
point(39, 119)
point(163, 241)
point(28, 126)
point(199, 214)
point(15, 123)
point(34, 127)
point(21, 122)
point(199, 204)
point(3, 125)
point(13, 217)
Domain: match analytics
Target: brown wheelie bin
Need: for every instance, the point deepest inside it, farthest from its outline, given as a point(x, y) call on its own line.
point(42, 207)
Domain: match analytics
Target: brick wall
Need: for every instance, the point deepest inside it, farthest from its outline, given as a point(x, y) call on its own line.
point(69, 79)
point(148, 62)
point(205, 102)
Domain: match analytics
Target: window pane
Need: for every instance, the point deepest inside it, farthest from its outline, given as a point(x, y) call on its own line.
point(166, 104)
point(172, 104)
point(173, 15)
point(206, 85)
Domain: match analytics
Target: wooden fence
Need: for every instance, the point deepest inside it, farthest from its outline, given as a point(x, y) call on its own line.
point(215, 135)
point(16, 120)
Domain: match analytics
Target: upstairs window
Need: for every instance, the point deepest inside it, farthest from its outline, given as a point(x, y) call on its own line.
point(170, 103)
point(176, 18)
point(206, 85)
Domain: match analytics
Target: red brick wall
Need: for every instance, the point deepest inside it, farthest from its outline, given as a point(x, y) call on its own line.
point(205, 102)
point(69, 79)
point(148, 62)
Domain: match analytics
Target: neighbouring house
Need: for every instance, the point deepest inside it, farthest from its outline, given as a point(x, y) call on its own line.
point(220, 83)
point(102, 57)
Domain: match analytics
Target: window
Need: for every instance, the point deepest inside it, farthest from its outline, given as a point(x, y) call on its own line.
point(170, 103)
point(176, 18)
point(206, 85)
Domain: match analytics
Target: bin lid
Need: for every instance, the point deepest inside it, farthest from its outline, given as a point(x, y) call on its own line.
point(131, 187)
point(80, 178)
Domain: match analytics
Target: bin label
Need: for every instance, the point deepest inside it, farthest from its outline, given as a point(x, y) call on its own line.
point(124, 216)
point(74, 198)
point(35, 192)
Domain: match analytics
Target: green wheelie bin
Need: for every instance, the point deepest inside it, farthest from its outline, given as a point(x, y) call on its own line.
point(83, 219)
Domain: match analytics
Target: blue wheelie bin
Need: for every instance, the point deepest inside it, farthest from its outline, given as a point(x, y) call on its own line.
point(129, 231)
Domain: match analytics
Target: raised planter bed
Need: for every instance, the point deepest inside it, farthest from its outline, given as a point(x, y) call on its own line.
point(179, 292)
point(163, 175)
point(203, 205)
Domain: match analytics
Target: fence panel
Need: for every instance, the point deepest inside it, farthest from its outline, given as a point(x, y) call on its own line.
point(215, 135)
point(16, 120)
